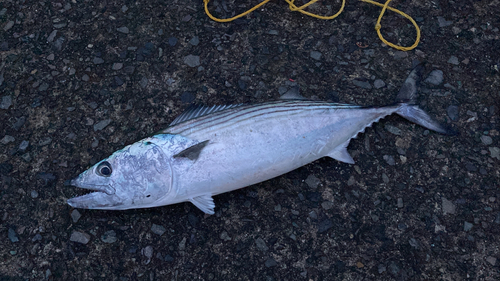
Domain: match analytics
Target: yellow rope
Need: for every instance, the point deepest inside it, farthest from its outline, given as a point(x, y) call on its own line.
point(294, 8)
point(378, 26)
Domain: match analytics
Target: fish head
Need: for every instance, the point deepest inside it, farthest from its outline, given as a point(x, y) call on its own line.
point(136, 176)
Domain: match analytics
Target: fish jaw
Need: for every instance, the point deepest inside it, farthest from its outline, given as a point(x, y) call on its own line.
point(103, 197)
point(94, 200)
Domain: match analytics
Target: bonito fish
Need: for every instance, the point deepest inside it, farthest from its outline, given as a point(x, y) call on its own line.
point(211, 150)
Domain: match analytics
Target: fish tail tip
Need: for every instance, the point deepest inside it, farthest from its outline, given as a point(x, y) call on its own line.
point(418, 116)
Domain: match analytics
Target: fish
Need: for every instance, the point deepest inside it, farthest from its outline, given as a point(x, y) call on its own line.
point(207, 151)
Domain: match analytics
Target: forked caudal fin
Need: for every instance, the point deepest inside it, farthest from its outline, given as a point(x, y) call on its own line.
point(407, 96)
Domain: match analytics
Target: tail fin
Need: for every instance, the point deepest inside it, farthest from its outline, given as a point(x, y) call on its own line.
point(407, 97)
point(420, 117)
point(408, 92)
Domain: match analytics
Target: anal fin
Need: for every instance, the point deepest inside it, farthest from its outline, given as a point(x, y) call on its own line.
point(340, 153)
point(204, 202)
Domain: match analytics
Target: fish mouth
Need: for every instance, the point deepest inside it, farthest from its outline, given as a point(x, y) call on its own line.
point(102, 196)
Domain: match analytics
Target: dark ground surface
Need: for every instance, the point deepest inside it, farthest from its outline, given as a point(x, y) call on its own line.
point(81, 79)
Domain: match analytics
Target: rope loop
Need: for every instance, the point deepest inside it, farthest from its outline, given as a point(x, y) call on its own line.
point(294, 8)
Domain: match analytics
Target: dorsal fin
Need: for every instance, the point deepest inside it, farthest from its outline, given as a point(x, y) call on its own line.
point(196, 110)
point(293, 94)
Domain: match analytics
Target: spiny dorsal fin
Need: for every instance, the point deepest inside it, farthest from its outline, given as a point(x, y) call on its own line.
point(192, 152)
point(195, 111)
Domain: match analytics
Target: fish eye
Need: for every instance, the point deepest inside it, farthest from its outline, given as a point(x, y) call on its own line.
point(104, 169)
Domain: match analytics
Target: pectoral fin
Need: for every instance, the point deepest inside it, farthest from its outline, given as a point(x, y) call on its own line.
point(340, 153)
point(205, 203)
point(192, 152)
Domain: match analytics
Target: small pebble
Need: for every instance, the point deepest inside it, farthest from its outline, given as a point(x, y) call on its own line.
point(75, 215)
point(192, 60)
point(109, 237)
point(194, 41)
point(315, 55)
point(79, 237)
point(261, 245)
point(6, 102)
point(43, 87)
point(447, 206)
point(182, 244)
point(123, 29)
point(148, 253)
point(378, 84)
point(8, 26)
point(400, 203)
point(393, 130)
point(400, 55)
point(13, 235)
point(362, 84)
point(313, 215)
point(172, 41)
point(443, 22)
point(97, 60)
point(435, 77)
point(470, 167)
point(487, 140)
point(453, 60)
point(129, 69)
point(34, 194)
point(118, 81)
point(491, 260)
point(402, 226)
point(270, 262)
point(101, 124)
point(37, 237)
point(224, 236)
point(452, 111)
point(312, 181)
point(117, 66)
point(144, 82)
point(327, 205)
point(44, 141)
point(52, 36)
point(394, 268)
point(494, 152)
point(7, 139)
point(324, 225)
point(169, 258)
point(390, 160)
point(467, 226)
point(158, 229)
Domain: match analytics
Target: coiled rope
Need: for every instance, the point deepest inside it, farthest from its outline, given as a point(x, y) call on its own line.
point(294, 8)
